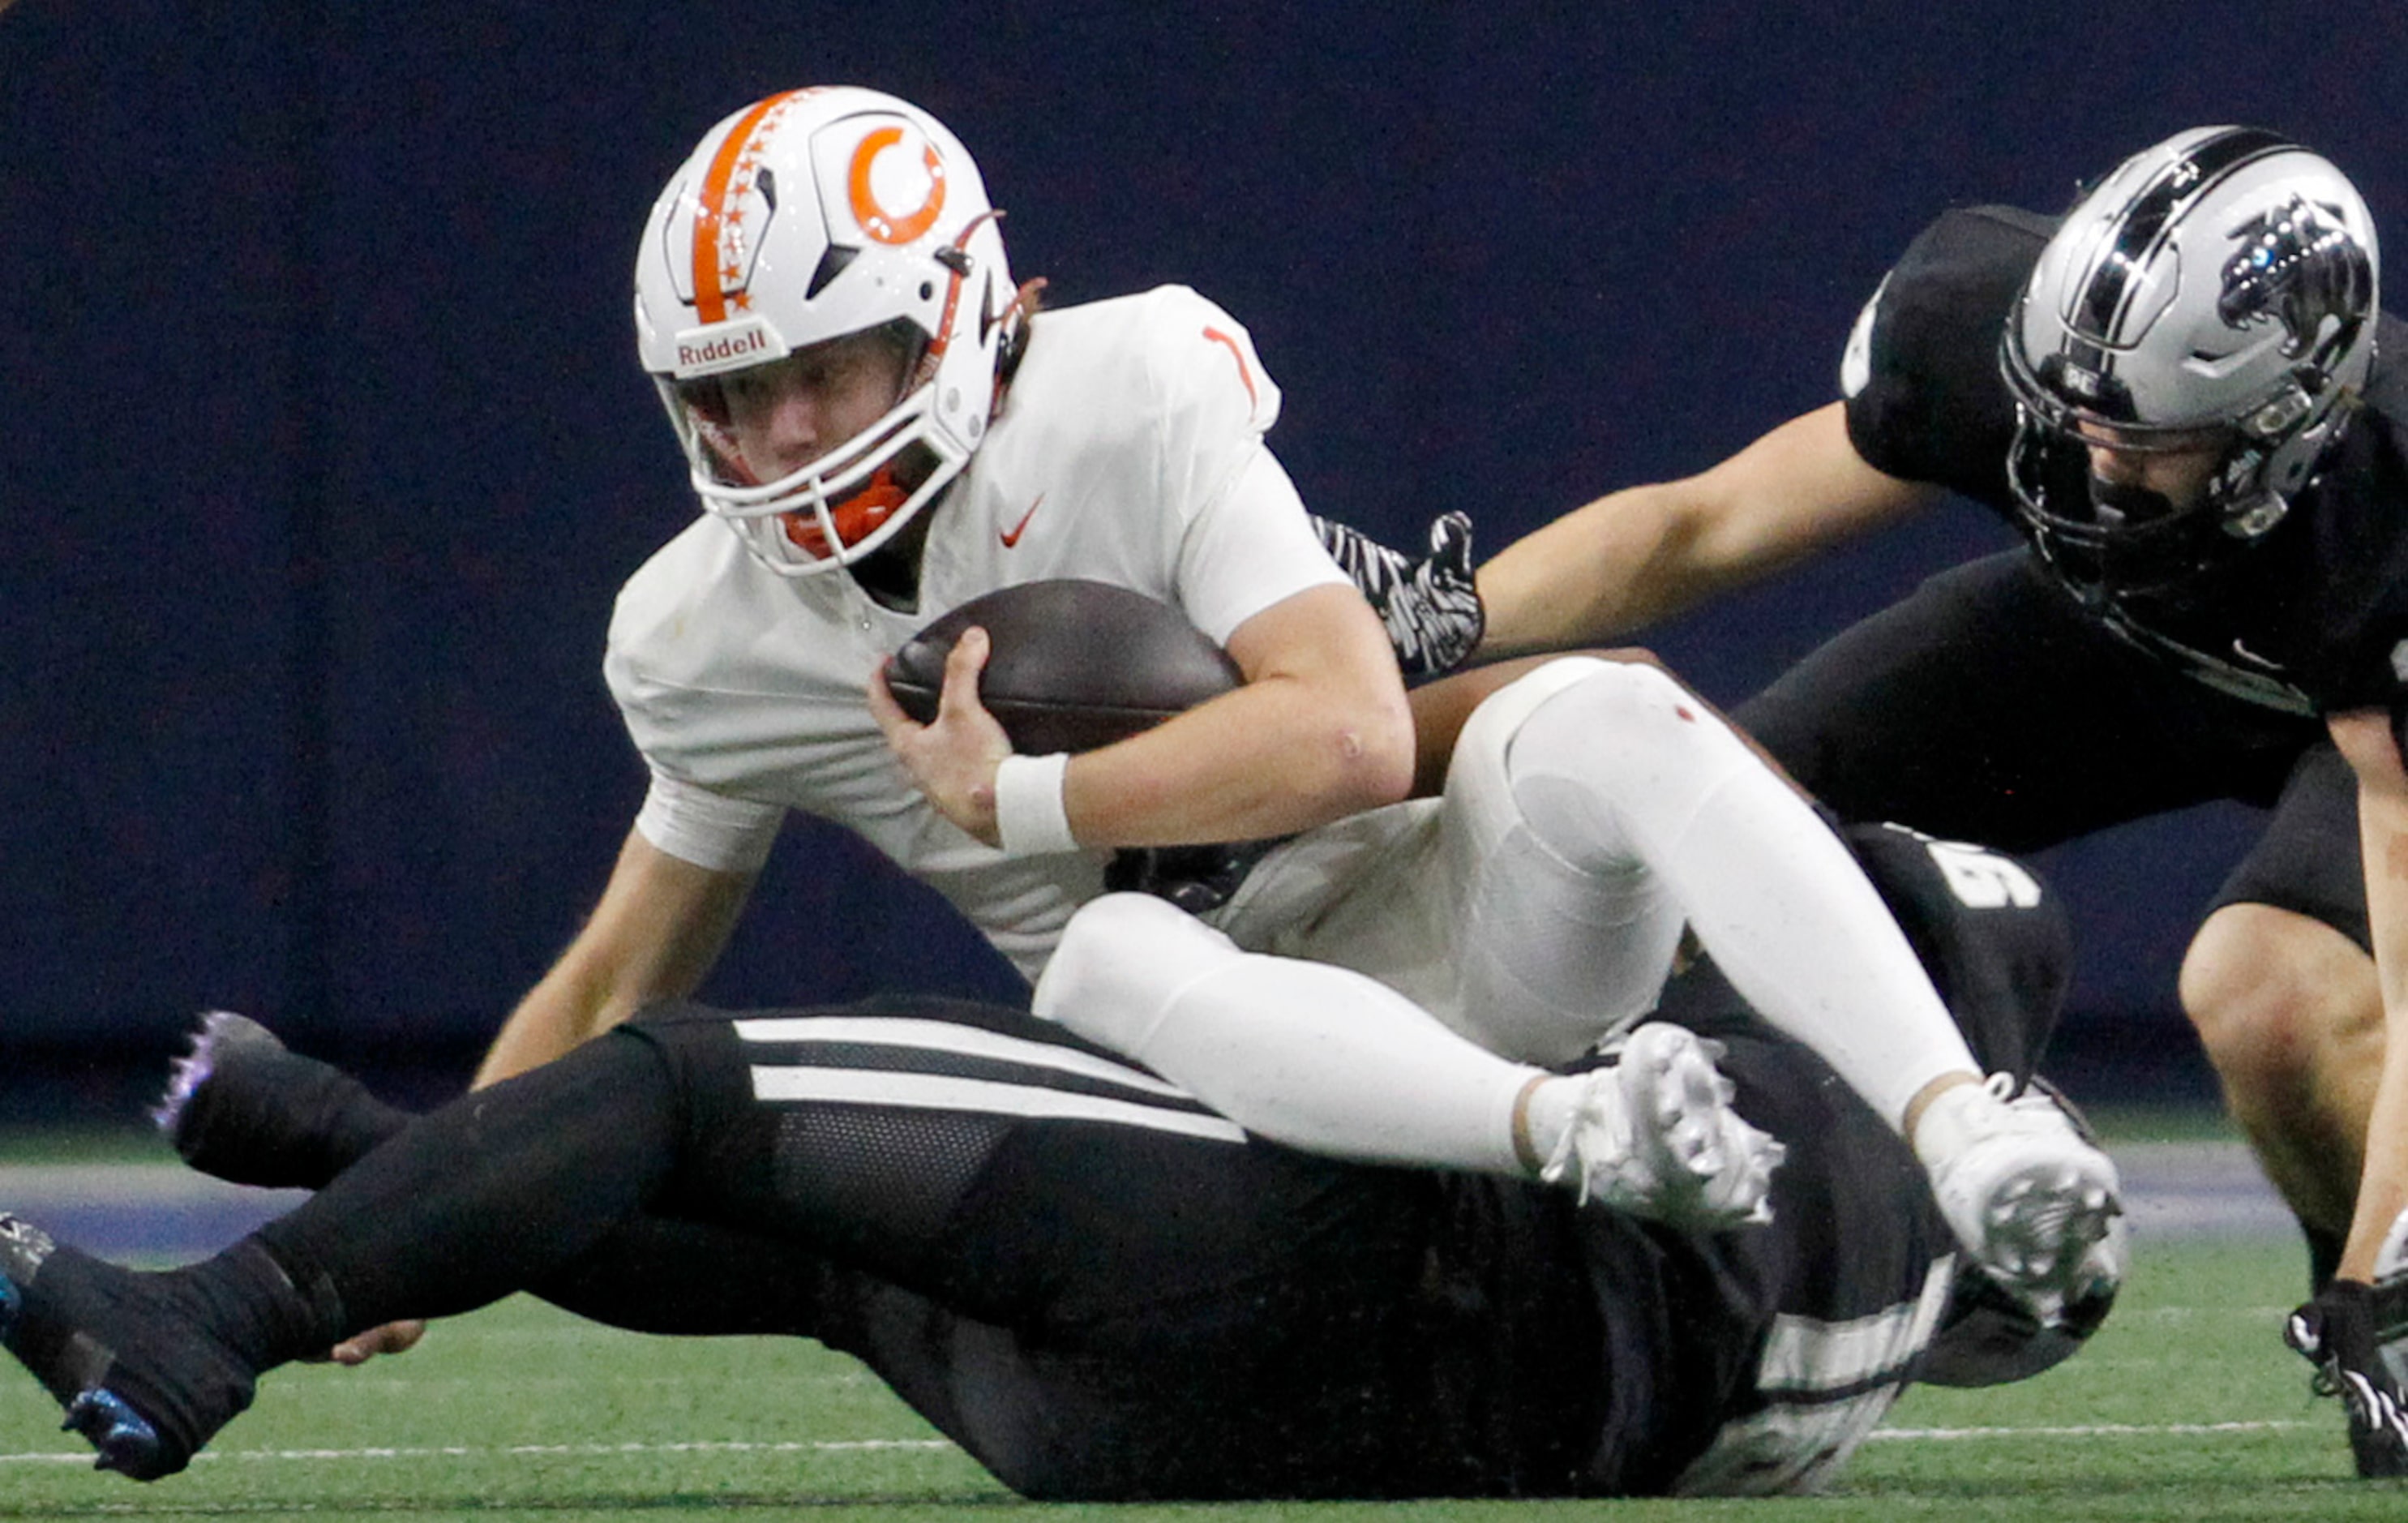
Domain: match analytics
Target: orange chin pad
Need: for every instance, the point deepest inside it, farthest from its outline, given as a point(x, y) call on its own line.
point(857, 518)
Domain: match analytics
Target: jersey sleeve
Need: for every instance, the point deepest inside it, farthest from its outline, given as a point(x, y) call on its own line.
point(1245, 541)
point(1251, 548)
point(709, 830)
point(1925, 399)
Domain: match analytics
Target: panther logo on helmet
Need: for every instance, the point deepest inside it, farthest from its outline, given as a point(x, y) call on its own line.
point(2299, 266)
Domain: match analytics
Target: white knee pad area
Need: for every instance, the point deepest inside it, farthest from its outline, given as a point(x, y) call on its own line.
point(1564, 930)
point(1619, 770)
point(1617, 757)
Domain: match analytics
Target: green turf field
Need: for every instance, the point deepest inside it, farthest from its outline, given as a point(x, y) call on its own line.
point(2185, 1407)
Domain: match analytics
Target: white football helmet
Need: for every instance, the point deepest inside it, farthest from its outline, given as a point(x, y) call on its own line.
point(807, 217)
point(2218, 287)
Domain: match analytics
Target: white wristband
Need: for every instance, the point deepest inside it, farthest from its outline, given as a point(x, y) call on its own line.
point(1030, 817)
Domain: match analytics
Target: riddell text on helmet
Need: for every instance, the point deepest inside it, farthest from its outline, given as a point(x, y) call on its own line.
point(724, 351)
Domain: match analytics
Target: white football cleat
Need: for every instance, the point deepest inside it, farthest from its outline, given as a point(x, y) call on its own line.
point(2028, 1196)
point(1655, 1135)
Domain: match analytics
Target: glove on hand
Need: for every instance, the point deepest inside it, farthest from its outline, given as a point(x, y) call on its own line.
point(2356, 1335)
point(1430, 607)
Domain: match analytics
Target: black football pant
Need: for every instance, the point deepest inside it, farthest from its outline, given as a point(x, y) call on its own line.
point(1094, 1285)
point(1987, 706)
point(1070, 1269)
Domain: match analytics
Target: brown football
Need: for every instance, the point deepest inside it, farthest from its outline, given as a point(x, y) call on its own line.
point(1072, 665)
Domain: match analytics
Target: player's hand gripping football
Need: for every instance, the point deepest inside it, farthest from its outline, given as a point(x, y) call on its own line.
point(2356, 1335)
point(953, 757)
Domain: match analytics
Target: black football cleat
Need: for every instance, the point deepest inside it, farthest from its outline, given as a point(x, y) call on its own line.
point(244, 1108)
point(138, 1377)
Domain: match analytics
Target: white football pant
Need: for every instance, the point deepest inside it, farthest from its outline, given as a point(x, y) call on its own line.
point(1591, 810)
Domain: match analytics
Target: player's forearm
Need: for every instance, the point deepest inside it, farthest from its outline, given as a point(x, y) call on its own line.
point(1645, 554)
point(2382, 1183)
point(1273, 757)
point(1261, 762)
point(1620, 563)
point(1319, 730)
point(548, 1022)
point(2383, 1187)
point(2366, 739)
point(659, 928)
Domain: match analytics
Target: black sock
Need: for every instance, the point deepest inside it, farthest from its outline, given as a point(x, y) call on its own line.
point(495, 1192)
point(2324, 1256)
point(353, 1123)
point(253, 1305)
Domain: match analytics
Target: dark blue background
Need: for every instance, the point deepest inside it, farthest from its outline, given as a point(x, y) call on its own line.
point(325, 450)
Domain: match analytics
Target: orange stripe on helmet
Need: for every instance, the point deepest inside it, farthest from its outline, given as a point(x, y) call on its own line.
point(709, 289)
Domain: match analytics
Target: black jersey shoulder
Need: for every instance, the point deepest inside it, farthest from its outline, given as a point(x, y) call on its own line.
point(2313, 619)
point(1926, 402)
point(2347, 593)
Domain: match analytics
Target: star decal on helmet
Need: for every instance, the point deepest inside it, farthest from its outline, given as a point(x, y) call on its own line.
point(734, 191)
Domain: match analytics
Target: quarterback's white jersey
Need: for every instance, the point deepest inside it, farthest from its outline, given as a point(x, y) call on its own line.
point(1128, 451)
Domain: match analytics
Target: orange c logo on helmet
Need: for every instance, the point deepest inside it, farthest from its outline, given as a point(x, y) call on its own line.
point(876, 220)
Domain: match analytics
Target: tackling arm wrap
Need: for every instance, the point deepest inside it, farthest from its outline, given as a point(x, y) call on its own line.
point(1430, 607)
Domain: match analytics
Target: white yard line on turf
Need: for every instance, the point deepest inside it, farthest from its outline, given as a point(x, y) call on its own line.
point(2092, 1430)
point(590, 1451)
point(580, 1451)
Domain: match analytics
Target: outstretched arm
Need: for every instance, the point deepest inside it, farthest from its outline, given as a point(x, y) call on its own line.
point(2355, 1328)
point(1643, 555)
point(2365, 737)
point(660, 925)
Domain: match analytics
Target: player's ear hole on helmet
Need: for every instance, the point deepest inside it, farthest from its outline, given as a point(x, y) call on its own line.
point(1014, 319)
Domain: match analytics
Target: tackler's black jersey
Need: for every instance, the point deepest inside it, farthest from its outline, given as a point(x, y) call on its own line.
point(2312, 619)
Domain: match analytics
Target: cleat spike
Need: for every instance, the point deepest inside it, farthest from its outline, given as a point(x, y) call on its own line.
point(2025, 1189)
point(125, 1442)
point(1655, 1137)
point(186, 1075)
point(73, 1320)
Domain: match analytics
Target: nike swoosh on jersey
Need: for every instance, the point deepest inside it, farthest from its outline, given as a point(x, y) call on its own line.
point(1012, 535)
point(2246, 654)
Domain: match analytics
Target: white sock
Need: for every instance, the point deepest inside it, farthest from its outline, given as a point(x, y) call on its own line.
point(1318, 1057)
point(1548, 1113)
point(1627, 766)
